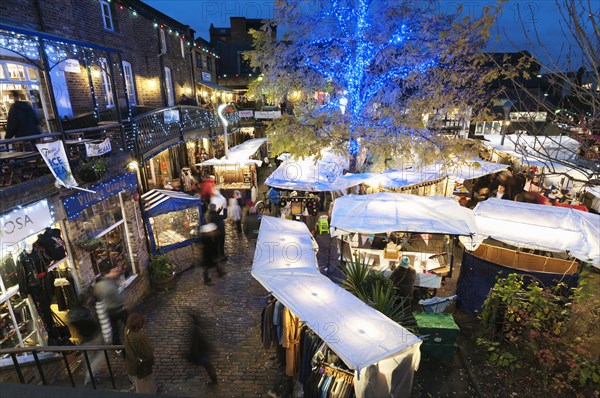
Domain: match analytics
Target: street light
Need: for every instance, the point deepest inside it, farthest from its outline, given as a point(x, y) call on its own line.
point(220, 110)
point(506, 108)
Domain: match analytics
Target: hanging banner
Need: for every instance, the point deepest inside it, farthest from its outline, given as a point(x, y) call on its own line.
point(20, 223)
point(56, 158)
point(72, 65)
point(97, 149)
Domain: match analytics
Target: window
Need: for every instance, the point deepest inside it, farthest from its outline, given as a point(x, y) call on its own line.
point(198, 60)
point(244, 67)
point(106, 15)
point(163, 42)
point(204, 61)
point(209, 62)
point(106, 84)
point(129, 83)
point(182, 45)
point(169, 87)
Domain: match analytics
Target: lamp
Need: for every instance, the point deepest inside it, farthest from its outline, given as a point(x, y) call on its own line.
point(220, 110)
point(506, 108)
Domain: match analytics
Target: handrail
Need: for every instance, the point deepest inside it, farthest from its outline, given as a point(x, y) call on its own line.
point(13, 352)
point(30, 138)
point(100, 127)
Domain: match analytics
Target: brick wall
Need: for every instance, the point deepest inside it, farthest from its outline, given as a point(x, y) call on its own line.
point(134, 35)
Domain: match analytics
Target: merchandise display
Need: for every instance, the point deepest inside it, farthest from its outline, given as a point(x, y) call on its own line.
point(175, 227)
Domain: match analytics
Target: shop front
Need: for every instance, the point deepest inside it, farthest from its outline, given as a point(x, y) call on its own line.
point(37, 279)
point(107, 232)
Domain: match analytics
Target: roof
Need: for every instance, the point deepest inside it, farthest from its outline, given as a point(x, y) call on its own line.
point(239, 154)
point(549, 228)
point(363, 336)
point(396, 212)
point(214, 86)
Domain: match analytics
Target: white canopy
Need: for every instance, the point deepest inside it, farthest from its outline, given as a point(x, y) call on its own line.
point(474, 168)
point(554, 147)
point(550, 228)
point(285, 264)
point(309, 174)
point(390, 212)
point(239, 154)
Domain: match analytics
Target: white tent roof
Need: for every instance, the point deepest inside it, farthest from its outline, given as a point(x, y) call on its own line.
point(555, 147)
point(474, 168)
point(285, 264)
point(309, 174)
point(390, 212)
point(239, 154)
point(550, 228)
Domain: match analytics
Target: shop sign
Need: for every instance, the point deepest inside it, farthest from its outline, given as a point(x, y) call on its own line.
point(267, 114)
point(20, 223)
point(207, 77)
point(72, 65)
point(101, 148)
point(82, 200)
point(246, 113)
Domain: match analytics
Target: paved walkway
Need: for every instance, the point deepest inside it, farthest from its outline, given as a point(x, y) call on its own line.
point(230, 314)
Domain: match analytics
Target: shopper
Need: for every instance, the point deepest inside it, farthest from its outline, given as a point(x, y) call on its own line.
point(209, 237)
point(140, 355)
point(251, 227)
point(234, 212)
point(22, 121)
point(200, 350)
point(107, 291)
point(215, 217)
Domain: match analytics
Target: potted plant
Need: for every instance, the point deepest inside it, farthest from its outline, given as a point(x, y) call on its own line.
point(162, 272)
point(89, 244)
point(92, 171)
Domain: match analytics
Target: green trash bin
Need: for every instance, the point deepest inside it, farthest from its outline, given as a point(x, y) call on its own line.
point(439, 333)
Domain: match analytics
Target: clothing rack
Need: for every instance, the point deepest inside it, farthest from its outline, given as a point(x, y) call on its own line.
point(333, 367)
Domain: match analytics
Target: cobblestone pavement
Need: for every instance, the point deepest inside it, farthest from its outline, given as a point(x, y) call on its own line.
point(230, 314)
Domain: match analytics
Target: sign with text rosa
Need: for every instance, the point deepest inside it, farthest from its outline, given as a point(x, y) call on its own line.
point(21, 223)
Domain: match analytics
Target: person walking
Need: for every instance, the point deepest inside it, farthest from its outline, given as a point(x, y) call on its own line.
point(200, 350)
point(251, 227)
point(88, 334)
point(139, 358)
point(107, 291)
point(22, 121)
point(215, 217)
point(234, 212)
point(209, 238)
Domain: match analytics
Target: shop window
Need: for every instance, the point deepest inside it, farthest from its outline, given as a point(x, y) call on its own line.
point(106, 229)
point(107, 15)
point(171, 229)
point(163, 41)
point(36, 284)
point(129, 83)
point(169, 87)
point(106, 84)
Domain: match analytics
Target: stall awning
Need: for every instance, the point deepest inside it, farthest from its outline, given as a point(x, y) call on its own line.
point(214, 86)
point(159, 201)
point(391, 212)
point(285, 264)
point(239, 154)
point(534, 226)
point(310, 174)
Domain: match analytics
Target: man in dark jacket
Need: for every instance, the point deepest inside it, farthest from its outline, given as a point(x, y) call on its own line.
point(404, 277)
point(218, 219)
point(22, 120)
point(251, 227)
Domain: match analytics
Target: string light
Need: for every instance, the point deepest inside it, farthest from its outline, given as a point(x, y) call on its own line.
point(104, 191)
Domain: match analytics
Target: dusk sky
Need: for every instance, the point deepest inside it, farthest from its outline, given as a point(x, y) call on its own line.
point(199, 14)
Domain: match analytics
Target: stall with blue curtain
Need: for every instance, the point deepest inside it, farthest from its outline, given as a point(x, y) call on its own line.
point(172, 219)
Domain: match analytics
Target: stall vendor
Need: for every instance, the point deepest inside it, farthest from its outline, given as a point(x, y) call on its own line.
point(404, 277)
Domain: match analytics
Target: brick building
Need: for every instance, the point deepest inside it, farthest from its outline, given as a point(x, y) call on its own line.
point(205, 71)
point(88, 67)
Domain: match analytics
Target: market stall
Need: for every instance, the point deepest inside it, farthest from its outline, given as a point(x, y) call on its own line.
point(395, 221)
point(238, 169)
point(365, 340)
point(547, 243)
point(172, 219)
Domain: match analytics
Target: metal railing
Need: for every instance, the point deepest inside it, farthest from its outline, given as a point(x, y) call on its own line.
point(20, 160)
point(166, 126)
point(45, 368)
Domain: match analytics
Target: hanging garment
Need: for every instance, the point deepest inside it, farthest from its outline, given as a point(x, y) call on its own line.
point(52, 243)
point(35, 281)
point(64, 291)
point(8, 270)
point(292, 333)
